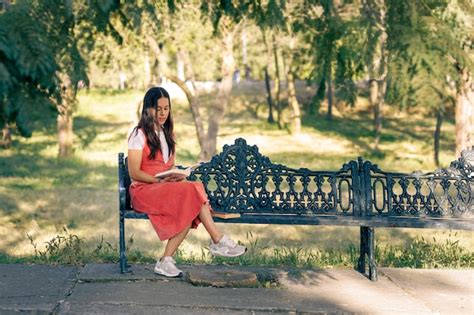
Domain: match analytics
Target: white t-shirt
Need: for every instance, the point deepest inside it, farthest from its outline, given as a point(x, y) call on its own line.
point(137, 142)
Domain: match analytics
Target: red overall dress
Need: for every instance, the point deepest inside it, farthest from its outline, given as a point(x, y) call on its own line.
point(172, 206)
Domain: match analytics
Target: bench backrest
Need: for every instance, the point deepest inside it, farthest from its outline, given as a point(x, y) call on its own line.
point(124, 183)
point(241, 180)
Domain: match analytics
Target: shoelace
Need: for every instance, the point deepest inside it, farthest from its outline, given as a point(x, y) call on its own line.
point(230, 243)
point(170, 259)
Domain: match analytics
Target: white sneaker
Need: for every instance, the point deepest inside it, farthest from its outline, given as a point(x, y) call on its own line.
point(166, 267)
point(226, 247)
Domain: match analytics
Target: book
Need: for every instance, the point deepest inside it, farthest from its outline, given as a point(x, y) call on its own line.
point(224, 215)
point(184, 172)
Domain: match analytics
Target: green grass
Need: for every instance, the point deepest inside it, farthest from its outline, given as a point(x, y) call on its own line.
point(40, 195)
point(67, 248)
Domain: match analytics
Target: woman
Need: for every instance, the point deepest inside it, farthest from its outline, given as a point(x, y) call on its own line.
point(172, 204)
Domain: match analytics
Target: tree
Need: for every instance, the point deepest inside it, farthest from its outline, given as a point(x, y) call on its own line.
point(429, 60)
point(269, 19)
point(335, 46)
point(376, 52)
point(225, 18)
point(458, 15)
point(227, 29)
point(292, 16)
point(28, 80)
point(49, 58)
point(267, 78)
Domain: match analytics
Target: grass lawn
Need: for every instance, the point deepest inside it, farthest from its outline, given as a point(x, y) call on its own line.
point(40, 195)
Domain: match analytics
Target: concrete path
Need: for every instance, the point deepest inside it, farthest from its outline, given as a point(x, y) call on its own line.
point(101, 289)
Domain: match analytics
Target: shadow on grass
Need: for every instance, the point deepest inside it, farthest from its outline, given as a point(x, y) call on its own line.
point(316, 162)
point(28, 161)
point(356, 130)
point(41, 212)
point(405, 131)
point(43, 172)
point(9, 204)
point(86, 130)
point(359, 131)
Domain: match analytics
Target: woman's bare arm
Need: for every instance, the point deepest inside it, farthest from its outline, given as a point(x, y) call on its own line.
point(134, 162)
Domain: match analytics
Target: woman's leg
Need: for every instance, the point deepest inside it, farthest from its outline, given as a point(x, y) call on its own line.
point(173, 243)
point(208, 222)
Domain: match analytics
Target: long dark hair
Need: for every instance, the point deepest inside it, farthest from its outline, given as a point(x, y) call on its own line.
point(147, 122)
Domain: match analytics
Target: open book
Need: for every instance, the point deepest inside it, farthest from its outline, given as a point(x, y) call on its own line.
point(184, 172)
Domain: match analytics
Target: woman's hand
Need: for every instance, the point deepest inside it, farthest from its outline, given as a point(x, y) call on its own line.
point(173, 178)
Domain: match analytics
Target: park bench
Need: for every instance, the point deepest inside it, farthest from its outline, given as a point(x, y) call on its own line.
point(241, 180)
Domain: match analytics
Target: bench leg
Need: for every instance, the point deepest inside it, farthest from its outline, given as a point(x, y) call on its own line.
point(363, 249)
point(367, 248)
point(371, 254)
point(122, 257)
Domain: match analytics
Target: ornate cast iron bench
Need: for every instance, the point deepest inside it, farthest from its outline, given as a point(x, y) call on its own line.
point(241, 180)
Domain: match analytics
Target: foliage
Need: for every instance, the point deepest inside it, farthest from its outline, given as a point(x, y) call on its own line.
point(27, 68)
point(198, 47)
point(41, 43)
point(331, 29)
point(426, 48)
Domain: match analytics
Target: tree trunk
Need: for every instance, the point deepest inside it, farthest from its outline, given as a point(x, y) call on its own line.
point(194, 105)
point(277, 83)
point(292, 100)
point(330, 92)
point(161, 63)
point(268, 79)
point(269, 96)
point(6, 136)
point(464, 114)
point(376, 107)
point(147, 69)
point(65, 135)
point(192, 95)
point(382, 87)
point(180, 65)
point(373, 94)
point(244, 53)
point(225, 88)
point(375, 12)
point(65, 117)
point(437, 135)
point(6, 132)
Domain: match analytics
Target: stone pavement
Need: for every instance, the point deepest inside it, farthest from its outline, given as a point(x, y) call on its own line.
point(101, 289)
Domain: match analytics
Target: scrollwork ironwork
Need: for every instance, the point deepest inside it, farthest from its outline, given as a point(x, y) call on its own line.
point(240, 179)
point(245, 181)
point(446, 192)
